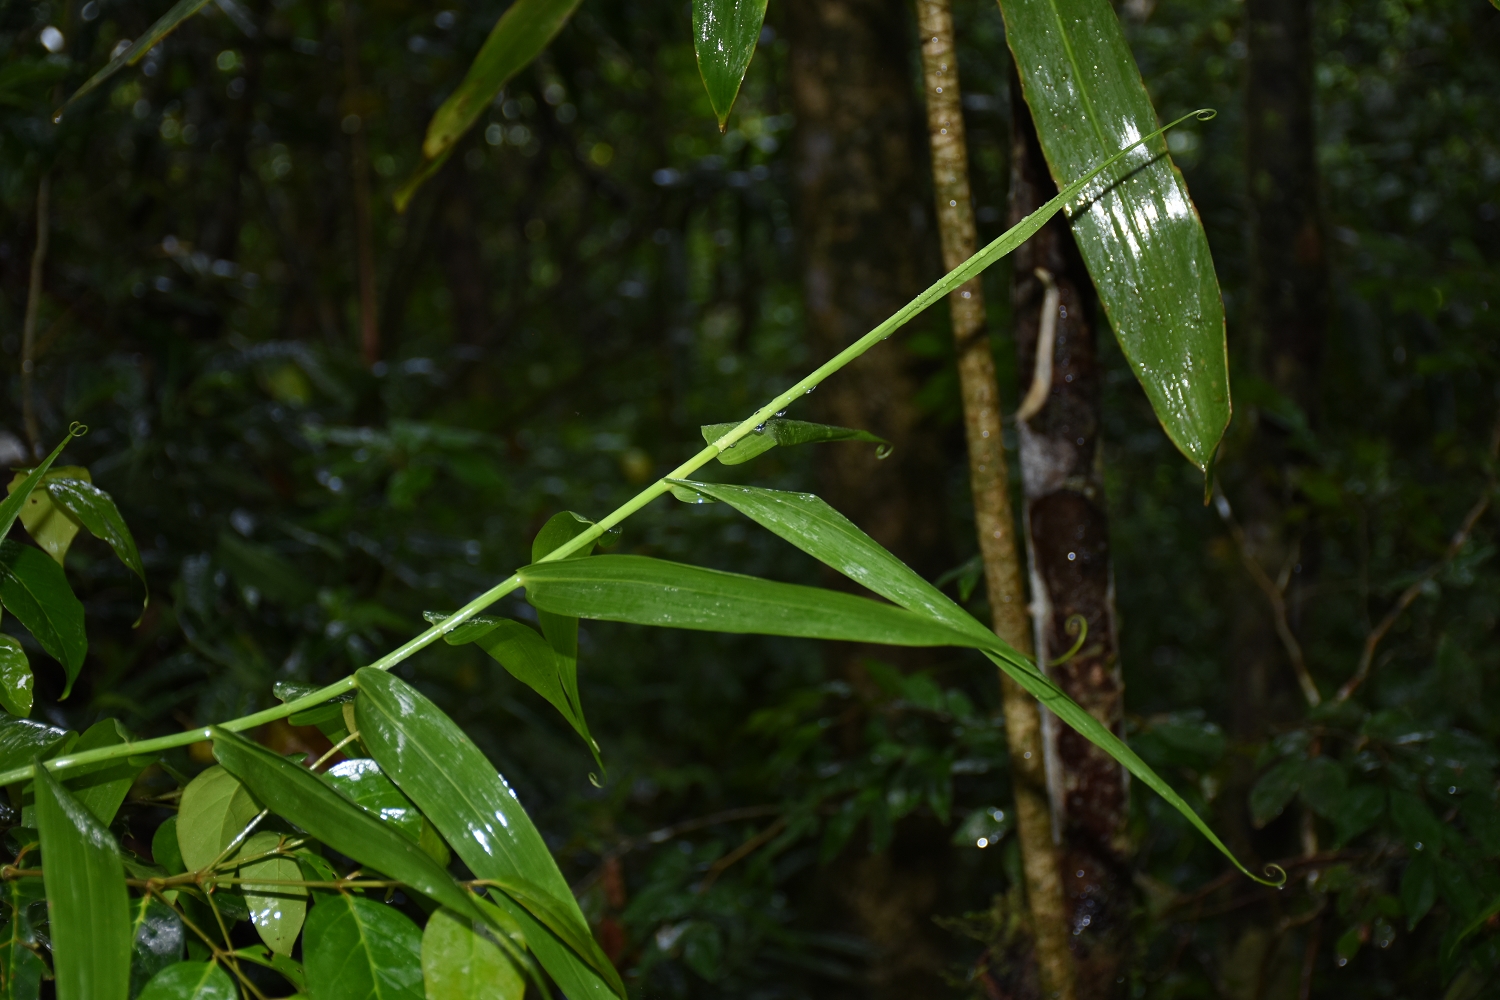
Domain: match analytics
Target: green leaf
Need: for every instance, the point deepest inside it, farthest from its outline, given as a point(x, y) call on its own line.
point(1136, 225)
point(158, 938)
point(778, 431)
point(89, 910)
point(95, 510)
point(358, 949)
point(11, 506)
point(103, 786)
point(431, 759)
point(724, 37)
point(277, 911)
point(215, 809)
point(361, 781)
point(190, 981)
point(521, 33)
point(649, 591)
point(259, 567)
point(21, 968)
point(164, 847)
point(22, 739)
point(460, 961)
point(49, 525)
point(1358, 809)
point(301, 797)
point(164, 26)
point(33, 588)
point(560, 631)
point(15, 677)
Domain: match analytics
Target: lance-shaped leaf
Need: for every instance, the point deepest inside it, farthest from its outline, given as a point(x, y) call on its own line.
point(460, 961)
point(10, 507)
point(89, 908)
point(358, 949)
point(33, 588)
point(362, 782)
point(16, 681)
point(190, 981)
point(164, 26)
point(1135, 224)
point(521, 33)
point(561, 631)
point(649, 591)
point(724, 37)
point(95, 510)
point(431, 759)
point(778, 431)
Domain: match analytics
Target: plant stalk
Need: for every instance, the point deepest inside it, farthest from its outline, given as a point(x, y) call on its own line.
point(994, 520)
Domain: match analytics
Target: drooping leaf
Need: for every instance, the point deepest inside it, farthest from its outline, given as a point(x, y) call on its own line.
point(277, 911)
point(22, 739)
point(1135, 224)
point(362, 782)
point(190, 981)
point(431, 759)
point(779, 431)
point(164, 26)
point(101, 787)
point(10, 507)
point(49, 525)
point(95, 510)
point(460, 961)
point(301, 797)
point(560, 631)
point(215, 809)
point(521, 33)
point(157, 937)
point(357, 949)
point(724, 37)
point(89, 909)
point(15, 677)
point(34, 589)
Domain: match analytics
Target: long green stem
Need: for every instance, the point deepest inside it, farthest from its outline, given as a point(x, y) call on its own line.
point(1003, 245)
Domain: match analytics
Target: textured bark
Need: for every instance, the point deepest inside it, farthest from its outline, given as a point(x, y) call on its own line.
point(994, 521)
point(1067, 541)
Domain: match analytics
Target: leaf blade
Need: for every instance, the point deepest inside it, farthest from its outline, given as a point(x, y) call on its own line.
point(460, 962)
point(724, 36)
point(164, 26)
point(10, 507)
point(214, 809)
point(95, 510)
point(358, 949)
point(190, 981)
point(34, 589)
point(16, 680)
point(276, 910)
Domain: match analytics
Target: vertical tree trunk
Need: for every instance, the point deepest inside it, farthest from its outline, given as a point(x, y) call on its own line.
point(994, 520)
point(1067, 544)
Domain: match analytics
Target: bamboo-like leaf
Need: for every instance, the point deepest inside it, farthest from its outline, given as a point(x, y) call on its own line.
point(102, 787)
point(1138, 230)
point(89, 908)
point(16, 681)
point(521, 33)
point(561, 631)
point(460, 961)
point(190, 981)
point(724, 37)
point(51, 527)
point(164, 26)
point(10, 507)
point(453, 784)
point(362, 782)
point(649, 591)
point(215, 809)
point(276, 910)
point(358, 949)
point(95, 510)
point(779, 431)
point(33, 588)
point(21, 740)
point(157, 937)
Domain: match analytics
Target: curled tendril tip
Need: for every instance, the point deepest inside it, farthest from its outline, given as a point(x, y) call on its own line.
point(1206, 114)
point(1276, 874)
point(77, 429)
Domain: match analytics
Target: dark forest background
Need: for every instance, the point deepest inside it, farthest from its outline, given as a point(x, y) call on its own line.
point(598, 271)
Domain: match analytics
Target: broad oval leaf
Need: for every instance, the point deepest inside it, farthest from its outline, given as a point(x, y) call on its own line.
point(157, 939)
point(89, 909)
point(190, 981)
point(95, 510)
point(34, 589)
point(215, 808)
point(357, 949)
point(724, 37)
point(16, 681)
point(1136, 226)
point(165, 850)
point(779, 431)
point(276, 910)
point(460, 961)
point(431, 759)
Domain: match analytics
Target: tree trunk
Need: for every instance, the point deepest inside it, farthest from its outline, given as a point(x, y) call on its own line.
point(1067, 544)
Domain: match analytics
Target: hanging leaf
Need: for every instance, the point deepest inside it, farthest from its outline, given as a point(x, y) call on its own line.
point(89, 911)
point(95, 509)
point(157, 937)
point(521, 33)
point(361, 781)
point(358, 949)
point(51, 527)
point(460, 961)
point(33, 588)
point(15, 677)
point(1135, 225)
point(561, 631)
point(165, 25)
point(215, 809)
point(778, 431)
point(724, 37)
point(190, 981)
point(277, 911)
point(101, 787)
point(21, 740)
point(10, 507)
point(432, 761)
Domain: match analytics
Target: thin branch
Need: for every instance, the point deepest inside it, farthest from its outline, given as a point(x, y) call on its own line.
point(749, 847)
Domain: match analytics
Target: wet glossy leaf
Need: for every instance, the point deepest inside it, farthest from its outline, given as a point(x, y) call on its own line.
point(89, 910)
point(560, 632)
point(15, 677)
point(453, 784)
point(157, 937)
point(215, 808)
point(277, 911)
point(49, 525)
point(724, 36)
point(34, 589)
point(301, 797)
point(358, 949)
point(102, 787)
point(361, 781)
point(460, 961)
point(1135, 224)
point(165, 850)
point(778, 431)
point(190, 981)
point(22, 739)
point(95, 510)
point(521, 33)
point(10, 507)
point(164, 26)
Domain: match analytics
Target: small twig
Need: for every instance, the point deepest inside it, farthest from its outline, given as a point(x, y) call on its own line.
point(740, 853)
point(1046, 339)
point(333, 750)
